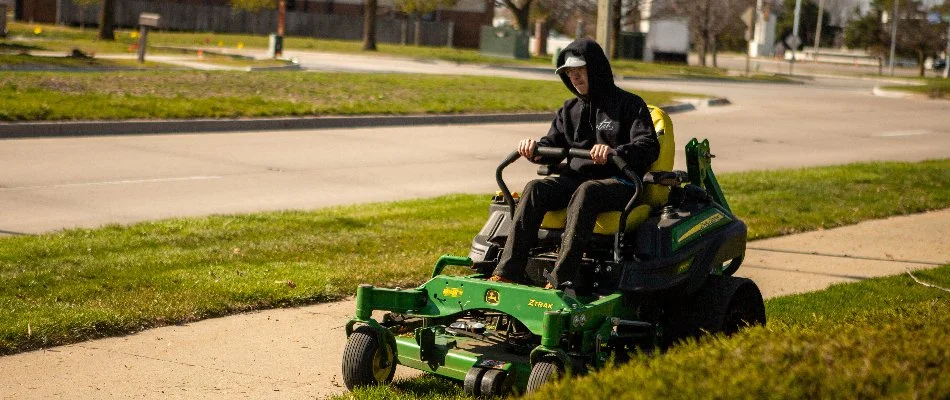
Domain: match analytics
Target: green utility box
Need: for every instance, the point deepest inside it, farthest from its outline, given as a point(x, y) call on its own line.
point(630, 45)
point(504, 42)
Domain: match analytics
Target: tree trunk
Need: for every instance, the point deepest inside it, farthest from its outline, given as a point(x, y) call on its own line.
point(715, 51)
point(369, 26)
point(703, 46)
point(417, 33)
point(541, 36)
point(107, 20)
point(522, 15)
point(921, 57)
point(616, 16)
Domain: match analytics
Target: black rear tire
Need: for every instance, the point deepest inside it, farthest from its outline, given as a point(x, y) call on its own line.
point(746, 308)
point(543, 372)
point(366, 360)
point(724, 304)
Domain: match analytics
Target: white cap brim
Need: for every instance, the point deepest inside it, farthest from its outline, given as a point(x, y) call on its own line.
point(571, 62)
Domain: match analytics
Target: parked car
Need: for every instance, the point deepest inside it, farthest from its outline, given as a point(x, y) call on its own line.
point(939, 65)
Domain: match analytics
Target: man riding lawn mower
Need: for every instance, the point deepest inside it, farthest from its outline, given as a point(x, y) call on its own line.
point(663, 277)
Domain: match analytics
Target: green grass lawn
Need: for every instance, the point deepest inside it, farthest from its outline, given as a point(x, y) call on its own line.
point(882, 338)
point(935, 88)
point(47, 96)
point(26, 61)
point(59, 38)
point(81, 284)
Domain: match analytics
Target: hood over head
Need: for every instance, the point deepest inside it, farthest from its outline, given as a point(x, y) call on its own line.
point(600, 77)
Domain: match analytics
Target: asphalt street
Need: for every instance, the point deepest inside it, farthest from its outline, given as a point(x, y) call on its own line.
point(51, 184)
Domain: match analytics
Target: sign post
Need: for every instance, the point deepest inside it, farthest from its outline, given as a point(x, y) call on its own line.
point(893, 37)
point(604, 33)
point(794, 41)
point(278, 45)
point(748, 17)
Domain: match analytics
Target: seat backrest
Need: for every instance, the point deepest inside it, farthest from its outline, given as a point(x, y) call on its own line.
point(656, 195)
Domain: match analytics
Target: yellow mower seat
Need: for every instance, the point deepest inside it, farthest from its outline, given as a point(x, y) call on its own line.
point(654, 196)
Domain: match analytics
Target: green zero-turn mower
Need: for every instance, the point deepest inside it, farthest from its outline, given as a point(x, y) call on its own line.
point(666, 277)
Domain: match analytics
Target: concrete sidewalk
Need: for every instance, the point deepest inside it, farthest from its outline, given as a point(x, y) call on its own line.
point(296, 353)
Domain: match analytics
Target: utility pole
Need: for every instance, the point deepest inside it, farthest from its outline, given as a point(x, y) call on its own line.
point(821, 14)
point(604, 19)
point(893, 37)
point(749, 18)
point(795, 40)
point(281, 12)
point(946, 56)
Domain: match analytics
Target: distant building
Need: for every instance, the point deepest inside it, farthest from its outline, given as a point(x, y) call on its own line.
point(465, 19)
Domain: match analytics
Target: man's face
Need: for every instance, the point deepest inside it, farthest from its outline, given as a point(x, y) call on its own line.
point(578, 76)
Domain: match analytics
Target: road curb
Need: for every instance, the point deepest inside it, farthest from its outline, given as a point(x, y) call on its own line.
point(27, 130)
point(107, 128)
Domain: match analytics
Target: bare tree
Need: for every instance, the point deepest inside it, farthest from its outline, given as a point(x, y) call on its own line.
point(521, 9)
point(917, 37)
point(562, 15)
point(708, 19)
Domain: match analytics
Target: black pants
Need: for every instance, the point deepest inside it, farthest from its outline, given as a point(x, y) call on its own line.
point(583, 200)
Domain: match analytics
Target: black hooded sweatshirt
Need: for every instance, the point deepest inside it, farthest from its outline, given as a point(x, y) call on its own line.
point(607, 115)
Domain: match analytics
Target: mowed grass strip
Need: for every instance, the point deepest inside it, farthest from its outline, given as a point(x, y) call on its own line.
point(935, 88)
point(26, 61)
point(192, 94)
point(774, 203)
point(882, 338)
point(81, 284)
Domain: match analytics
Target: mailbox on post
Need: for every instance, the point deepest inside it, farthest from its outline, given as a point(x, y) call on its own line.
point(146, 22)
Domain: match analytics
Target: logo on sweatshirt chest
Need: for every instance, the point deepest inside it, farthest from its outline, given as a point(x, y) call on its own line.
point(606, 125)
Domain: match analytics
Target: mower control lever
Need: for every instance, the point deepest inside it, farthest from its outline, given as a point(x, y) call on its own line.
point(559, 152)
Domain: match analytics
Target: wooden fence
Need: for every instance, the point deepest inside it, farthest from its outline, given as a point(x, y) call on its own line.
point(221, 19)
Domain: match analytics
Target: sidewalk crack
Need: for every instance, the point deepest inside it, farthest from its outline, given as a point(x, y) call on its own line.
point(849, 256)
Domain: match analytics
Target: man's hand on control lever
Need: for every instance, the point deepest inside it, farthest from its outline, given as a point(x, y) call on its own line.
point(600, 152)
point(526, 149)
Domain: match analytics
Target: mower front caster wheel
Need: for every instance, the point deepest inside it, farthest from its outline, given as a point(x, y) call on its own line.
point(486, 382)
point(366, 360)
point(543, 372)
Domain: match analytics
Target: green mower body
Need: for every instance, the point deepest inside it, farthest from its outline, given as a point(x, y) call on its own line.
point(641, 290)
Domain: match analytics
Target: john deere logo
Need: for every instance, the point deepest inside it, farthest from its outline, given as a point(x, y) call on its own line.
point(702, 225)
point(492, 296)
